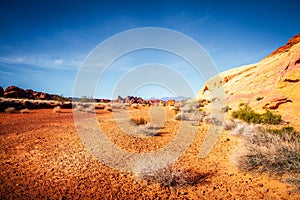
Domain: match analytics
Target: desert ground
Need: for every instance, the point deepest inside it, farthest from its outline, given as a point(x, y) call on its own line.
point(42, 156)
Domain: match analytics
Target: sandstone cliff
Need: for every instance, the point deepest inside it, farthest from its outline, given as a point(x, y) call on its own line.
point(272, 83)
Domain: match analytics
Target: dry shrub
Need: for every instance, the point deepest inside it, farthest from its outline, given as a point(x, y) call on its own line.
point(211, 119)
point(89, 108)
point(10, 110)
point(100, 106)
point(182, 116)
point(108, 108)
point(24, 111)
point(244, 129)
point(79, 107)
point(119, 105)
point(229, 125)
point(135, 105)
point(57, 109)
point(275, 154)
point(173, 177)
point(139, 121)
point(85, 107)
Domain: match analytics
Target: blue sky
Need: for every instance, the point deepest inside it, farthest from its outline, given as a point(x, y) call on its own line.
point(44, 43)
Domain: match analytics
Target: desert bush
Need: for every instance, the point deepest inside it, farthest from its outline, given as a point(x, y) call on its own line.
point(135, 105)
point(85, 107)
point(225, 109)
point(24, 111)
point(139, 121)
point(57, 109)
point(244, 129)
point(117, 106)
point(274, 151)
point(108, 108)
point(282, 131)
point(10, 110)
point(100, 106)
point(148, 130)
point(89, 108)
point(246, 114)
point(270, 118)
point(229, 125)
point(173, 177)
point(210, 119)
point(182, 116)
point(79, 107)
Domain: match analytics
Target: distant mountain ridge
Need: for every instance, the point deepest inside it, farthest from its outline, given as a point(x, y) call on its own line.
point(177, 99)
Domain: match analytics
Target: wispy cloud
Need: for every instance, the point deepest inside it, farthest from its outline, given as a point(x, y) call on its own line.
point(44, 62)
point(58, 61)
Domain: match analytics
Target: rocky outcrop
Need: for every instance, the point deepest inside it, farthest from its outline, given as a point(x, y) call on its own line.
point(273, 83)
point(1, 92)
point(294, 40)
point(19, 93)
point(15, 92)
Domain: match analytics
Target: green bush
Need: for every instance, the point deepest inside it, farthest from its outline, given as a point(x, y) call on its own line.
point(246, 114)
point(282, 131)
point(269, 118)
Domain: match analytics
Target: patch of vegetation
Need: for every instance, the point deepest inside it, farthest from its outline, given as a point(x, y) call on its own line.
point(139, 121)
point(282, 131)
point(274, 151)
point(57, 109)
point(246, 114)
point(24, 111)
point(270, 118)
point(171, 177)
point(226, 109)
point(10, 110)
point(85, 99)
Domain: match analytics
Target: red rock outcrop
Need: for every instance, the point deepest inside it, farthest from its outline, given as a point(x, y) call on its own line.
point(294, 40)
point(1, 92)
point(16, 92)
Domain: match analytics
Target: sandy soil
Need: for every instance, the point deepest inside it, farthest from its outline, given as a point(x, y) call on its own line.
point(42, 156)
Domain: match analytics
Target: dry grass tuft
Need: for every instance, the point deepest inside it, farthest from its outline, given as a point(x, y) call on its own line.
point(274, 151)
point(24, 111)
point(229, 125)
point(173, 177)
point(57, 109)
point(108, 108)
point(10, 110)
point(139, 121)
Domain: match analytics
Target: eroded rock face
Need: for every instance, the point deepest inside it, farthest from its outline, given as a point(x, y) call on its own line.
point(273, 102)
point(273, 83)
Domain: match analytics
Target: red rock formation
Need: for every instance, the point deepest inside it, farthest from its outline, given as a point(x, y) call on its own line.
point(294, 40)
point(1, 92)
point(15, 92)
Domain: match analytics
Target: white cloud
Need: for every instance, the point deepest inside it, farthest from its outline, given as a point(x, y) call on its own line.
point(58, 61)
